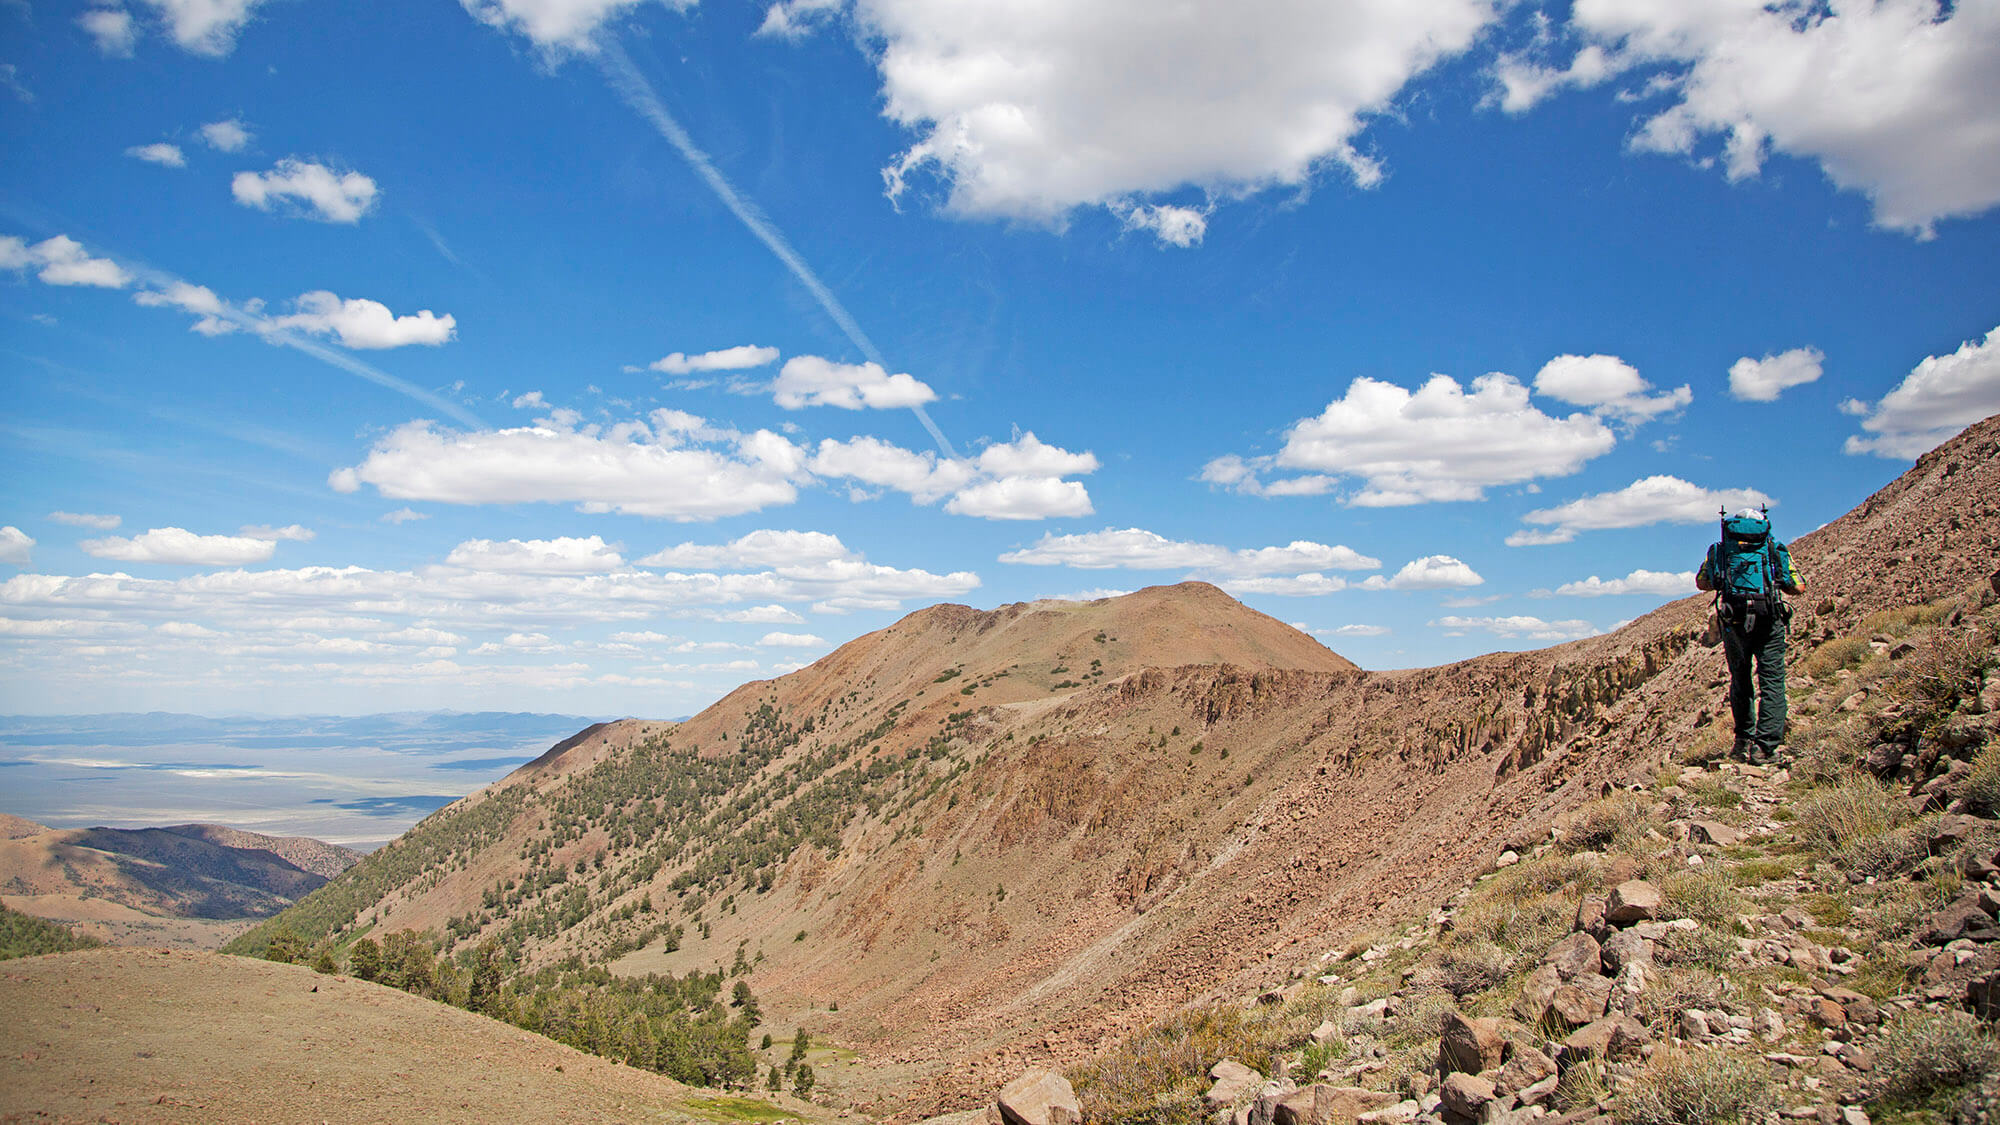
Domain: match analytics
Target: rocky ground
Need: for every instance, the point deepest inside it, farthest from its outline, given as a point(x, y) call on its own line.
point(1710, 941)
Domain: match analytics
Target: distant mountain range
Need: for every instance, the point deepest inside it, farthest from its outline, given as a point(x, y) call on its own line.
point(432, 729)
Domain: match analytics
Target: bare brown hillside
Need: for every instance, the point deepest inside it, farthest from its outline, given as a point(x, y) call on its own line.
point(189, 886)
point(155, 1036)
point(1008, 836)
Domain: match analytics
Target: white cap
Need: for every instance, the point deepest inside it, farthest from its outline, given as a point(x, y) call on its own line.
point(1749, 514)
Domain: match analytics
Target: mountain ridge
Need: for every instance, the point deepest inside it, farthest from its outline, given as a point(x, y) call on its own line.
point(1000, 844)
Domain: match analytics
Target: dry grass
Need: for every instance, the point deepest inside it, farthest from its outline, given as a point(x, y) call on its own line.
point(1833, 820)
point(1614, 823)
point(1697, 1088)
point(1982, 785)
point(1835, 656)
point(1159, 1075)
point(1922, 1052)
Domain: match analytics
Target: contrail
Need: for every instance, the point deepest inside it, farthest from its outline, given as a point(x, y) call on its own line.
point(638, 93)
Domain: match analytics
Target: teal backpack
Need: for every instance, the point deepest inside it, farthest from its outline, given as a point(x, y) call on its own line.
point(1744, 566)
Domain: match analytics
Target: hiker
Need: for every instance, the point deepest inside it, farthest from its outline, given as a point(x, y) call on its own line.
point(1750, 573)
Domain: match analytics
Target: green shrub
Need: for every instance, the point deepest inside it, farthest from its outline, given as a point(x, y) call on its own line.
point(1696, 1088)
point(1982, 785)
point(1835, 655)
point(1832, 820)
point(24, 935)
point(1922, 1052)
point(1705, 948)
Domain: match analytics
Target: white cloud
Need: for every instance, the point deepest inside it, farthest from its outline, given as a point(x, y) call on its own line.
point(1524, 83)
point(1173, 226)
point(111, 29)
point(159, 152)
point(760, 615)
point(809, 380)
point(180, 547)
point(556, 24)
point(1355, 631)
point(1286, 586)
point(404, 515)
point(1028, 456)
point(330, 196)
point(1432, 572)
point(924, 476)
point(1021, 498)
point(16, 546)
point(87, 519)
point(758, 549)
point(1522, 627)
point(1437, 444)
point(1137, 549)
point(518, 643)
point(1660, 582)
point(362, 323)
point(1939, 397)
point(1030, 111)
point(1763, 380)
point(1650, 500)
point(739, 358)
point(228, 135)
point(537, 556)
point(790, 640)
point(1609, 386)
point(1898, 99)
point(62, 261)
point(630, 468)
point(293, 532)
point(792, 19)
point(205, 27)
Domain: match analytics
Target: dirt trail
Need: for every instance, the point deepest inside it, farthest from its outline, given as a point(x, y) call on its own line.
point(131, 1035)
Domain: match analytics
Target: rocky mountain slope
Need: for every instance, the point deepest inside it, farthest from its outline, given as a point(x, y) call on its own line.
point(187, 885)
point(980, 839)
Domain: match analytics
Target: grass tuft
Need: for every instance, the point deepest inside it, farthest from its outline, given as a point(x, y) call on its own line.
point(1697, 1088)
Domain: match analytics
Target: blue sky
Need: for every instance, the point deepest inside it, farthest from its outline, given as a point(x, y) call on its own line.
point(596, 356)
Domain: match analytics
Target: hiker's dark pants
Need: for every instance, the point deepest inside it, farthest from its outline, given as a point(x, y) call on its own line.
point(1758, 704)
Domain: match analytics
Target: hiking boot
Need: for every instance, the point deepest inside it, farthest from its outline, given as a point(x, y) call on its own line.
point(1763, 755)
point(1744, 752)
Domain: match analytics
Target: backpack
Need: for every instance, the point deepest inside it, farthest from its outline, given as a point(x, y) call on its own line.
point(1744, 566)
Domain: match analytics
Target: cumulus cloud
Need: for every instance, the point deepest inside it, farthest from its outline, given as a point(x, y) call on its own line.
point(1029, 112)
point(180, 547)
point(228, 135)
point(537, 556)
point(16, 546)
point(1763, 380)
point(1897, 99)
point(62, 260)
point(557, 25)
point(808, 380)
point(758, 549)
point(739, 358)
point(1519, 627)
point(1660, 582)
point(404, 515)
point(793, 19)
point(160, 153)
point(1440, 443)
point(307, 188)
point(1524, 83)
point(293, 532)
point(1609, 386)
point(1173, 226)
point(672, 469)
point(364, 324)
point(1650, 500)
point(1432, 572)
point(790, 640)
point(87, 519)
point(1137, 549)
point(1939, 397)
point(111, 29)
point(1355, 631)
point(1018, 479)
point(205, 27)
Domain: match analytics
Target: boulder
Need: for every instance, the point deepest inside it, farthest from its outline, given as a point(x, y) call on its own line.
point(1533, 1002)
point(1954, 829)
point(1232, 1081)
point(1525, 1067)
point(1265, 1107)
point(1590, 916)
point(1626, 948)
point(1466, 1095)
point(1714, 832)
point(1582, 1000)
point(1321, 1104)
point(1961, 919)
point(1040, 1097)
point(1574, 955)
point(1610, 1037)
point(1469, 1045)
point(1860, 1009)
point(1634, 900)
point(1399, 1114)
